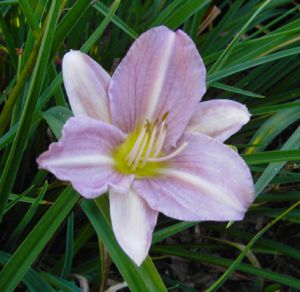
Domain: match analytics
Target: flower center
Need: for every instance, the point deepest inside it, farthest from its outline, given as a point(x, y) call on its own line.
point(142, 152)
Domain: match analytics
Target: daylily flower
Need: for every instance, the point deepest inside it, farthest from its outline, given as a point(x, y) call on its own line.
point(143, 136)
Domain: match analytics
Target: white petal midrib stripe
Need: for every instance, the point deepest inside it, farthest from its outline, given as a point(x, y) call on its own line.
point(81, 160)
point(217, 194)
point(162, 72)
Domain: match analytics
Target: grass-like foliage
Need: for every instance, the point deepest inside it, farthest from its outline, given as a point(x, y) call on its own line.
point(52, 239)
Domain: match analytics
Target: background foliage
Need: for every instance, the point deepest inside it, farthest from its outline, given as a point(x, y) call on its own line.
point(51, 239)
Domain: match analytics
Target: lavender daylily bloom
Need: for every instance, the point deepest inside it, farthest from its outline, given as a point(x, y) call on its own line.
point(143, 136)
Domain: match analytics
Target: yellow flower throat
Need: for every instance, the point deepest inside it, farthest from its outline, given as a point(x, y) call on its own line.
point(142, 152)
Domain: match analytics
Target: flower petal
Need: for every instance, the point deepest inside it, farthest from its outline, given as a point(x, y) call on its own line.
point(162, 72)
point(219, 118)
point(83, 157)
point(207, 181)
point(86, 83)
point(133, 222)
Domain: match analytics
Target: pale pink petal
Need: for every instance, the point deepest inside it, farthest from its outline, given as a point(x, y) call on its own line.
point(83, 157)
point(86, 83)
point(162, 72)
point(133, 222)
point(219, 118)
point(207, 181)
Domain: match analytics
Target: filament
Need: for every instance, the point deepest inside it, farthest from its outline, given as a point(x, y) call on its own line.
point(169, 156)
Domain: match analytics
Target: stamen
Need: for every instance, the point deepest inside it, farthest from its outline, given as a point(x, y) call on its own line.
point(150, 145)
point(165, 115)
point(169, 156)
point(161, 138)
point(142, 148)
point(134, 150)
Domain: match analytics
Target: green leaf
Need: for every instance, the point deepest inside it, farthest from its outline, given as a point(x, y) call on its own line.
point(32, 279)
point(116, 20)
point(9, 2)
point(69, 21)
point(275, 108)
point(14, 159)
point(223, 262)
point(171, 230)
point(27, 10)
point(187, 9)
point(27, 200)
point(250, 64)
point(61, 284)
point(56, 117)
point(28, 216)
point(269, 244)
point(273, 168)
point(69, 247)
point(100, 29)
point(9, 41)
point(29, 250)
point(17, 199)
point(271, 128)
point(237, 261)
point(236, 90)
point(272, 156)
point(225, 54)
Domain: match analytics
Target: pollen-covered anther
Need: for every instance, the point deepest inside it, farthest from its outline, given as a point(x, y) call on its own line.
point(149, 144)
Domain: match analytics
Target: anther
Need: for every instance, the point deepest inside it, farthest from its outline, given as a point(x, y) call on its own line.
point(165, 115)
